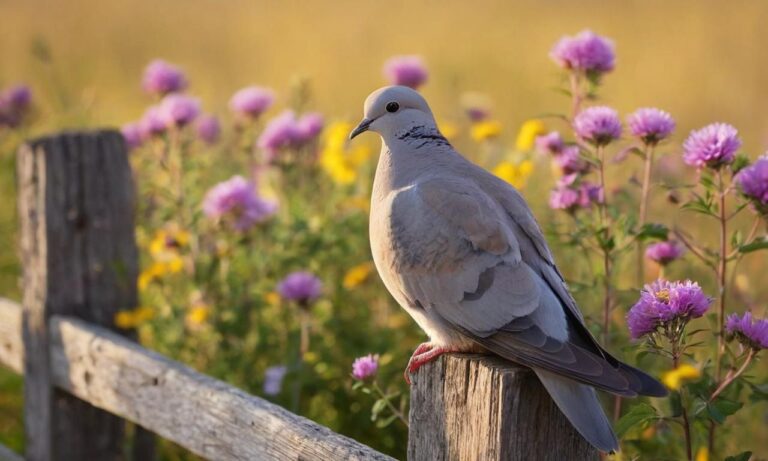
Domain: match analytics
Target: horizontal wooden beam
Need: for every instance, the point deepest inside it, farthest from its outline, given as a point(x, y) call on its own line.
point(204, 415)
point(11, 345)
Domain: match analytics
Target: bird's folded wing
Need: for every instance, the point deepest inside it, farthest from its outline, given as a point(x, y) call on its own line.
point(490, 294)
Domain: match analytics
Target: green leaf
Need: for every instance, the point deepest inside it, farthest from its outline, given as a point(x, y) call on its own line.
point(386, 421)
point(759, 243)
point(378, 406)
point(739, 163)
point(759, 392)
point(743, 456)
point(722, 408)
point(357, 385)
point(638, 414)
point(653, 231)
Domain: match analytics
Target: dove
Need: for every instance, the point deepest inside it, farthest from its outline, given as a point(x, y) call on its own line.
point(460, 250)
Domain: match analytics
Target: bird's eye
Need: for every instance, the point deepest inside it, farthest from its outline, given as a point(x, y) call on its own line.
point(393, 107)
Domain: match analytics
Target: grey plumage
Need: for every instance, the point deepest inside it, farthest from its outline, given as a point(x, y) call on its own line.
point(460, 250)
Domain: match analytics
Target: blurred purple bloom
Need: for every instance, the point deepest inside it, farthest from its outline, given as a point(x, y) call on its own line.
point(570, 161)
point(273, 379)
point(179, 110)
point(365, 367)
point(406, 70)
point(664, 252)
point(152, 123)
point(662, 302)
point(236, 201)
point(587, 52)
point(477, 113)
point(281, 132)
point(308, 127)
point(14, 103)
point(590, 194)
point(132, 134)
point(712, 146)
point(747, 330)
point(162, 78)
point(302, 287)
point(753, 182)
point(598, 125)
point(208, 128)
point(550, 143)
point(252, 101)
point(564, 198)
point(650, 124)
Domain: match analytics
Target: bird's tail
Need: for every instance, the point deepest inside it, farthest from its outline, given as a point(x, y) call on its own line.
point(579, 404)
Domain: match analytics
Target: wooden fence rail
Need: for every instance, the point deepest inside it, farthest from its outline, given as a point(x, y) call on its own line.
point(83, 378)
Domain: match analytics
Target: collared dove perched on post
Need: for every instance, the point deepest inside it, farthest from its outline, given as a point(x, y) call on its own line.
point(460, 251)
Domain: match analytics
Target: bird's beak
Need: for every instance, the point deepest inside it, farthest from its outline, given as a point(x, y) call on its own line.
point(362, 127)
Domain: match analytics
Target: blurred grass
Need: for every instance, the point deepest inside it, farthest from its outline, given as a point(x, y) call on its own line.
point(700, 60)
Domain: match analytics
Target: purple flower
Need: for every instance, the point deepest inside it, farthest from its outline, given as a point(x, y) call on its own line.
point(161, 78)
point(208, 128)
point(664, 252)
point(564, 198)
point(406, 70)
point(273, 379)
point(590, 194)
point(132, 134)
point(236, 202)
point(14, 103)
point(281, 132)
point(152, 123)
point(713, 146)
point(365, 367)
point(252, 101)
point(662, 302)
point(753, 182)
point(179, 110)
point(570, 161)
point(650, 124)
point(308, 127)
point(550, 143)
point(748, 331)
point(302, 287)
point(586, 52)
point(598, 125)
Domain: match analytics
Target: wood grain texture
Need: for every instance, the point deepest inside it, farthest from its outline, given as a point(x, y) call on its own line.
point(472, 407)
point(204, 415)
point(11, 346)
point(76, 206)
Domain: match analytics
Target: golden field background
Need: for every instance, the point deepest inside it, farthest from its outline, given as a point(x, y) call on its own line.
point(703, 61)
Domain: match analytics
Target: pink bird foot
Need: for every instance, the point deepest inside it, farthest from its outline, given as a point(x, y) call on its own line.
point(425, 353)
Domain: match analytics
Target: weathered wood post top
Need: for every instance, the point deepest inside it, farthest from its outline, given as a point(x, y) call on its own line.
point(474, 407)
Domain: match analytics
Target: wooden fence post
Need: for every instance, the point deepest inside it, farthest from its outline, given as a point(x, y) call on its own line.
point(76, 207)
point(472, 407)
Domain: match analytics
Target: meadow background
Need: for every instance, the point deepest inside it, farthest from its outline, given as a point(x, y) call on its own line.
point(702, 61)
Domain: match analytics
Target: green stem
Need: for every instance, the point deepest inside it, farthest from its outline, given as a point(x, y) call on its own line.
point(643, 213)
point(391, 407)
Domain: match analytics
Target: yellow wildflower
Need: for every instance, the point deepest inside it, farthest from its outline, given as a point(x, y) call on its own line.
point(167, 242)
point(197, 315)
point(517, 175)
point(127, 319)
point(357, 203)
point(702, 454)
point(340, 161)
point(357, 275)
point(528, 133)
point(648, 433)
point(673, 379)
point(272, 298)
point(487, 129)
point(449, 129)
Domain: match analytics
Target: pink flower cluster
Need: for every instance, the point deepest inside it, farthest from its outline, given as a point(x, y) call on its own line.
point(286, 131)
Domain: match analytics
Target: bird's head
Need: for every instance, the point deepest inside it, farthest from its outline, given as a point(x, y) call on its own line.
point(393, 108)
